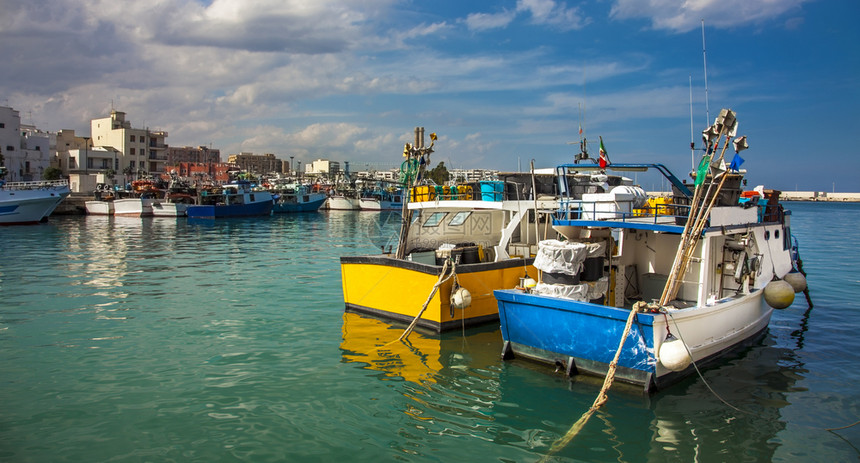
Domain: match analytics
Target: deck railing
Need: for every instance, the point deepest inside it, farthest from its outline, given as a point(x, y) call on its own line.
point(35, 185)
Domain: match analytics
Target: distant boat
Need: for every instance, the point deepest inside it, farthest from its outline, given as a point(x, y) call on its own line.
point(30, 202)
point(381, 200)
point(133, 207)
point(297, 198)
point(140, 200)
point(103, 203)
point(174, 205)
point(340, 201)
point(232, 200)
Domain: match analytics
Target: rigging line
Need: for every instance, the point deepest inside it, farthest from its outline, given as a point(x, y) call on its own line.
point(696, 367)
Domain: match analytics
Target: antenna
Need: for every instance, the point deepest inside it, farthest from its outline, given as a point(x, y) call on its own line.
point(705, 60)
point(692, 139)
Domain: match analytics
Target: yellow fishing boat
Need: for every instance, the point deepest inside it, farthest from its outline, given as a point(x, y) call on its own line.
point(459, 243)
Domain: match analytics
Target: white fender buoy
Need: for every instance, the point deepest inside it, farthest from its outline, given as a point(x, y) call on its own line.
point(796, 280)
point(778, 294)
point(529, 283)
point(461, 298)
point(673, 354)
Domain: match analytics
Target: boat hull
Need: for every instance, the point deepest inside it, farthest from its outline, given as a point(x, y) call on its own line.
point(162, 209)
point(396, 289)
point(311, 205)
point(29, 205)
point(99, 207)
point(230, 210)
point(342, 203)
point(133, 207)
point(583, 337)
point(372, 204)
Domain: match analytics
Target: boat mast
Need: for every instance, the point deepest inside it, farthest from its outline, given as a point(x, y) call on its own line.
point(417, 159)
point(705, 60)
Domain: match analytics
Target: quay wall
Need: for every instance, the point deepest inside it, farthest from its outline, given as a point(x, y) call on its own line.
point(74, 204)
point(818, 196)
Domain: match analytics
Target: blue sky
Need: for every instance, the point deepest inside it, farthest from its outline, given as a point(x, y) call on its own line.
point(501, 83)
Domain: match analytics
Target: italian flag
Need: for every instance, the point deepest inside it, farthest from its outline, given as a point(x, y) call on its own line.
point(604, 159)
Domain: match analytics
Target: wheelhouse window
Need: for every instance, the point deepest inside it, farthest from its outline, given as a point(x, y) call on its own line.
point(435, 219)
point(459, 218)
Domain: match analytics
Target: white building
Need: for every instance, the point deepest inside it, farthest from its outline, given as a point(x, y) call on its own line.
point(322, 166)
point(25, 149)
point(143, 152)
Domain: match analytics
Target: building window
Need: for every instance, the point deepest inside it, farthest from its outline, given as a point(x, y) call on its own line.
point(131, 151)
point(10, 148)
point(27, 167)
point(2, 125)
point(131, 165)
point(132, 138)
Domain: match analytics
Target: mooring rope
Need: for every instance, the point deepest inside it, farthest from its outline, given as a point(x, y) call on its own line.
point(601, 399)
point(696, 367)
point(442, 279)
point(408, 330)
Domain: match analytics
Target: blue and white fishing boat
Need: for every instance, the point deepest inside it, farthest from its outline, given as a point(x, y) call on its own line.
point(236, 199)
point(297, 198)
point(381, 199)
point(664, 281)
point(30, 202)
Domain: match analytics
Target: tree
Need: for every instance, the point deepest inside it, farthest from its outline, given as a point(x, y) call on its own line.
point(439, 174)
point(52, 173)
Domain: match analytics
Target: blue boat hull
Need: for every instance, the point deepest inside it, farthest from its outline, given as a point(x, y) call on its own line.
point(309, 206)
point(579, 336)
point(230, 210)
point(582, 338)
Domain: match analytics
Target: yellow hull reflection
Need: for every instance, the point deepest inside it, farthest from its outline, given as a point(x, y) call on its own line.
point(419, 358)
point(369, 341)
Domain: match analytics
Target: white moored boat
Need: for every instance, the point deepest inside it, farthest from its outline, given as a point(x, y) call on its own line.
point(30, 202)
point(339, 202)
point(133, 207)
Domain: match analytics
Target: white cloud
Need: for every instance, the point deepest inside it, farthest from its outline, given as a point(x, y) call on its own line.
point(553, 13)
point(484, 21)
point(685, 15)
point(542, 12)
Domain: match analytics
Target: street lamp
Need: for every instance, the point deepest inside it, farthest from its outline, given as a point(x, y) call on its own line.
point(86, 154)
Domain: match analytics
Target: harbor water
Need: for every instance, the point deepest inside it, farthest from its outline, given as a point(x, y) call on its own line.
point(155, 339)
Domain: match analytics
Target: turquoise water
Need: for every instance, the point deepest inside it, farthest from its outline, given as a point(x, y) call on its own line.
point(130, 340)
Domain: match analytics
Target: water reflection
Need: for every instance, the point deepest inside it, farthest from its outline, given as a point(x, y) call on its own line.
point(373, 343)
point(457, 385)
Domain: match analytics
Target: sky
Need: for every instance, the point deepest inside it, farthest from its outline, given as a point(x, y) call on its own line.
point(501, 83)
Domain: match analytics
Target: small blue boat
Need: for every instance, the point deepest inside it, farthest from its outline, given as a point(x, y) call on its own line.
point(694, 275)
point(297, 198)
point(236, 199)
